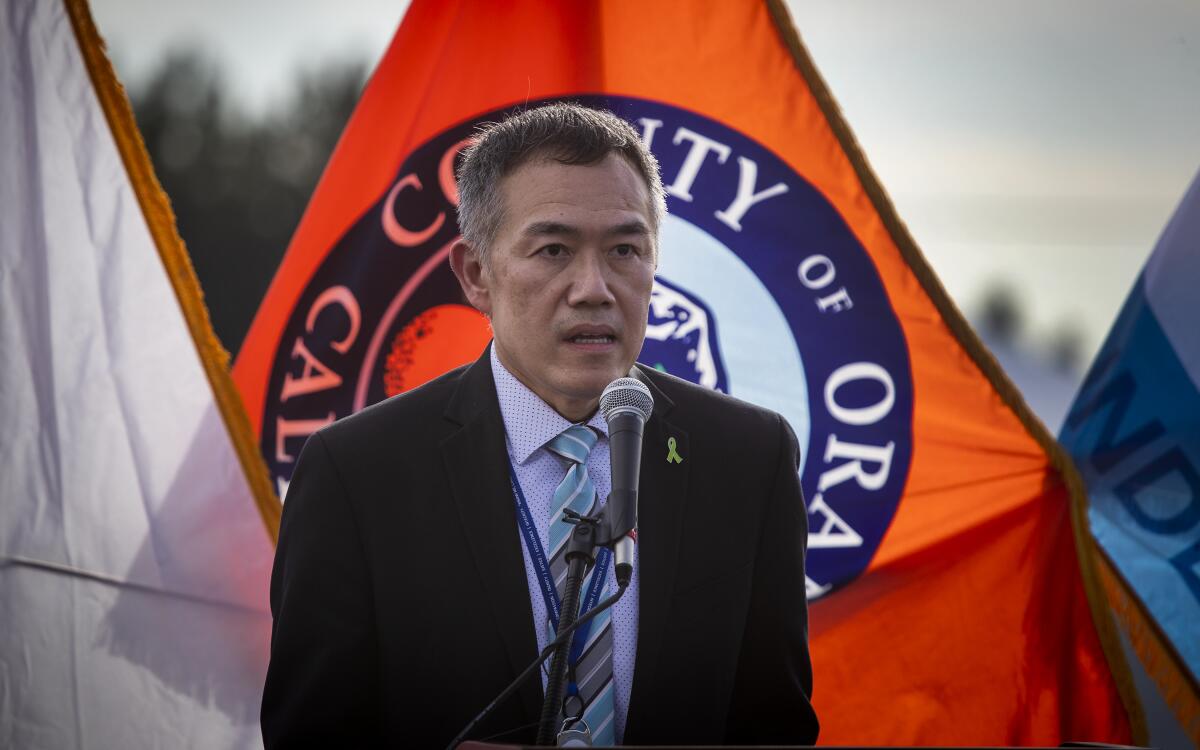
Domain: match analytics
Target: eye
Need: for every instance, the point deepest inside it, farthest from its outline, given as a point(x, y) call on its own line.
point(626, 250)
point(553, 250)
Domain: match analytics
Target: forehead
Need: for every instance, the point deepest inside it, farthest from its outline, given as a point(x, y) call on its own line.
point(610, 191)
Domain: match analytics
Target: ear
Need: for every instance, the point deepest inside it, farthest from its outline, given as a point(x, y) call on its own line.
point(474, 280)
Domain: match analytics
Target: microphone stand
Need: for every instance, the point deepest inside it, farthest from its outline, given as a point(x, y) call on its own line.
point(580, 556)
point(626, 404)
point(507, 693)
point(609, 529)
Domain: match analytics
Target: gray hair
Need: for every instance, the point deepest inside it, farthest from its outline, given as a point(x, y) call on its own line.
point(568, 133)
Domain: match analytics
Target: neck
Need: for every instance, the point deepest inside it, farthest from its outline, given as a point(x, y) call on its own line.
point(575, 410)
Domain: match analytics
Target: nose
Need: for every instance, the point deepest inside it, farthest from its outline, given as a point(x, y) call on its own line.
point(590, 281)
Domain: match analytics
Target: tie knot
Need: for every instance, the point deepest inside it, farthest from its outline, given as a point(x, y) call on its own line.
point(574, 443)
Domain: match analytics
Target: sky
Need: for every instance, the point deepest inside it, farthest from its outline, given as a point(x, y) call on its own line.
point(1043, 143)
point(1039, 145)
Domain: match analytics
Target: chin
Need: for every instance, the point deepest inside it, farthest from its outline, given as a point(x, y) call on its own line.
point(589, 384)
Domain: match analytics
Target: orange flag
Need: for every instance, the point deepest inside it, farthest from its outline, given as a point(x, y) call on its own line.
point(949, 584)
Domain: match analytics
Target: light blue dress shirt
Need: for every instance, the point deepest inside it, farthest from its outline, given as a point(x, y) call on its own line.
point(530, 423)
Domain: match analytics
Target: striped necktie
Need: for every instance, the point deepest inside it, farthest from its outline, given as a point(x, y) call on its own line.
point(593, 672)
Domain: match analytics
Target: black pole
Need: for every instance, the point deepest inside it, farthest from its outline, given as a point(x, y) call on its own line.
point(579, 559)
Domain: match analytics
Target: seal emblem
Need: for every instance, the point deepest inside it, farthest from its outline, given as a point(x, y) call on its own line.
point(762, 292)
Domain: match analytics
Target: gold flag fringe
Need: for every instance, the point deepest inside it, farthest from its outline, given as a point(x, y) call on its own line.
point(1162, 662)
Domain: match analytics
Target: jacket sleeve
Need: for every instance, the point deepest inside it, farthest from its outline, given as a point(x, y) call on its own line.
point(322, 685)
point(772, 690)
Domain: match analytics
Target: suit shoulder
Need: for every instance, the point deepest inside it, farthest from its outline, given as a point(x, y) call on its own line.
point(697, 405)
point(420, 406)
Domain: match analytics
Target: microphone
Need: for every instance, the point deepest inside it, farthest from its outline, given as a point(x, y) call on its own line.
point(626, 404)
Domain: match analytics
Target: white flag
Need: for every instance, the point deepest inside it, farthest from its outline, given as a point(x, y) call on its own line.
point(134, 559)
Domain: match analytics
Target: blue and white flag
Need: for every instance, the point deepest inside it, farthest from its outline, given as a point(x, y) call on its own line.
point(1134, 431)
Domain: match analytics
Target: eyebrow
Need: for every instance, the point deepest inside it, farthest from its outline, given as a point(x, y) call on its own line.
point(554, 228)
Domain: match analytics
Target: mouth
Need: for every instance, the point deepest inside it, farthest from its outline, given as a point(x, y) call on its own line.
point(591, 336)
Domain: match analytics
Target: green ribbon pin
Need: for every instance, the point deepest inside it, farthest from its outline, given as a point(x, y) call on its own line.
point(672, 455)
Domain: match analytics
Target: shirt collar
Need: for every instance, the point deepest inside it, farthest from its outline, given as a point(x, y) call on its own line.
point(529, 422)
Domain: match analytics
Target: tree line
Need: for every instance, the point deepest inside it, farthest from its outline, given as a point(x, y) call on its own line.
point(239, 183)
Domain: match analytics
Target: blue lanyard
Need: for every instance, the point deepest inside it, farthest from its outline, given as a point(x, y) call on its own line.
point(541, 565)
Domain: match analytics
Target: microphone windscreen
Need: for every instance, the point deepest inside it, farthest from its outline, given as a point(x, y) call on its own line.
point(626, 393)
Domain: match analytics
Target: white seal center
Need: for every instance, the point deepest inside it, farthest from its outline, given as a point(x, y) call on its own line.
point(754, 340)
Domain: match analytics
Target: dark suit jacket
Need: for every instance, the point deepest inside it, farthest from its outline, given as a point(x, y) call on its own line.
point(400, 599)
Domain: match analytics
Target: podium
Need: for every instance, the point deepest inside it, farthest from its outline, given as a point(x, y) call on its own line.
point(480, 745)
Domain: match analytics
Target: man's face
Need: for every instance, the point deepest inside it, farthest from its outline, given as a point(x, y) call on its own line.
point(571, 269)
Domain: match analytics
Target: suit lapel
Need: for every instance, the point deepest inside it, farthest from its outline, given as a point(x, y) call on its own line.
point(662, 492)
point(477, 463)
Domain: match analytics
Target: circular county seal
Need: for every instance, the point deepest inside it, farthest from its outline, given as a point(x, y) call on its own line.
point(762, 292)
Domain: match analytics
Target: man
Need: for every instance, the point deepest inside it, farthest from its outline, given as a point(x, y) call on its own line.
point(406, 591)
